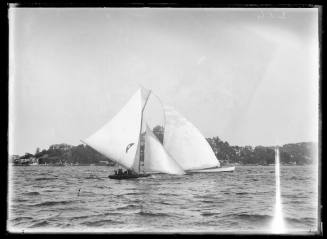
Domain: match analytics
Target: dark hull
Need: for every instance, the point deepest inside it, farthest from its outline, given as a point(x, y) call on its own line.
point(129, 176)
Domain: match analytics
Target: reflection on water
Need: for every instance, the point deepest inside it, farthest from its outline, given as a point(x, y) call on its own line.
point(278, 224)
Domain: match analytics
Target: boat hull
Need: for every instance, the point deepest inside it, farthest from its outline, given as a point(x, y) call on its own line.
point(208, 170)
point(213, 170)
point(129, 176)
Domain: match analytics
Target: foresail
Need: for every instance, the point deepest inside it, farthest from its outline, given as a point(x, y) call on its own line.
point(119, 138)
point(185, 143)
point(156, 157)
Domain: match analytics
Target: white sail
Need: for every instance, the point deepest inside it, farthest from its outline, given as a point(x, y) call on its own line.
point(156, 157)
point(185, 143)
point(119, 138)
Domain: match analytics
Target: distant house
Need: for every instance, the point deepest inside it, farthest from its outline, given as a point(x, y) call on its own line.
point(12, 158)
point(63, 147)
point(250, 148)
point(23, 160)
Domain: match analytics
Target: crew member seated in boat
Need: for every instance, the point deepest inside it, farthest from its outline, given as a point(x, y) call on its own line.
point(115, 172)
point(120, 171)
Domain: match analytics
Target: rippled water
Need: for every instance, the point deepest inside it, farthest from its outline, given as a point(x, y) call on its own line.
point(83, 198)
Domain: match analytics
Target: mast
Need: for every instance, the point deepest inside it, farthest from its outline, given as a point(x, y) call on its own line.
point(146, 100)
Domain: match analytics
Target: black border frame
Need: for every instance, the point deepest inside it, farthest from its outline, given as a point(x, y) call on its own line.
point(116, 4)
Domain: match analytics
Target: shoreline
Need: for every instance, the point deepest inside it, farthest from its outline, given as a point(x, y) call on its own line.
point(113, 166)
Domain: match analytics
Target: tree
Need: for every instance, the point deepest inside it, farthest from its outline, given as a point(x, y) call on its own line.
point(159, 132)
point(26, 156)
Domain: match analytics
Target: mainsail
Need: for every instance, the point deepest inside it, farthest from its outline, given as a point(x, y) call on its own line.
point(156, 157)
point(119, 138)
point(184, 142)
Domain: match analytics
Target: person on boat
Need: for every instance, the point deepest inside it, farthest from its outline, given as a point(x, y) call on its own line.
point(115, 172)
point(120, 171)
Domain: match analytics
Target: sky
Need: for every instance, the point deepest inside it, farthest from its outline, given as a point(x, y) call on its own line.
point(248, 76)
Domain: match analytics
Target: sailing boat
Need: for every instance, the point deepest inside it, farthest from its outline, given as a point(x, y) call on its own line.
point(184, 149)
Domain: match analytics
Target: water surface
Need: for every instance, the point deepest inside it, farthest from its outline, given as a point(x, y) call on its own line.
point(77, 198)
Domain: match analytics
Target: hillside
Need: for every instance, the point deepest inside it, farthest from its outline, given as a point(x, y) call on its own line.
point(64, 154)
point(296, 153)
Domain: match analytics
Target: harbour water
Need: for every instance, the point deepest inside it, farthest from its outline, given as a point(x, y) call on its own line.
point(83, 198)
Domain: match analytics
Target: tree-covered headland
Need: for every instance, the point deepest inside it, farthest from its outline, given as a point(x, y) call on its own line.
point(64, 154)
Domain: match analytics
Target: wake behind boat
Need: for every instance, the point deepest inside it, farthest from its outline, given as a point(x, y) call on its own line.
point(183, 148)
